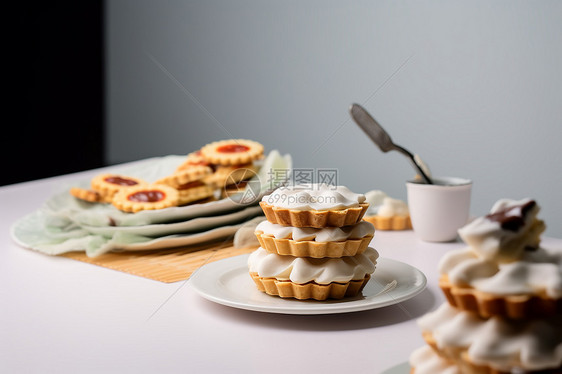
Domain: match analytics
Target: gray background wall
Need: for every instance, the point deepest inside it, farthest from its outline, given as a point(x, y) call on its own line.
point(474, 87)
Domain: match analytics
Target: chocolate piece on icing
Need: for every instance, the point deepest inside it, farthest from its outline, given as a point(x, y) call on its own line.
point(512, 218)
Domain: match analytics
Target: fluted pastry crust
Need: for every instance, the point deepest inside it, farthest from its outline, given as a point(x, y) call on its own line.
point(488, 305)
point(459, 356)
point(311, 248)
point(390, 223)
point(314, 218)
point(310, 290)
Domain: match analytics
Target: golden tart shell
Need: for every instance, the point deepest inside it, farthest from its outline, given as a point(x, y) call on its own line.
point(390, 223)
point(459, 356)
point(509, 306)
point(314, 218)
point(311, 248)
point(310, 290)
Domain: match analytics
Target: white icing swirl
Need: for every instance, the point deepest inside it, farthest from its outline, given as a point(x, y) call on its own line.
point(382, 205)
point(536, 272)
point(499, 343)
point(426, 361)
point(505, 261)
point(491, 241)
point(375, 199)
point(320, 270)
point(393, 207)
point(314, 197)
point(245, 237)
point(326, 234)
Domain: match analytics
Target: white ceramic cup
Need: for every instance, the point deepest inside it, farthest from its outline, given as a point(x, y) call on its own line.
point(438, 210)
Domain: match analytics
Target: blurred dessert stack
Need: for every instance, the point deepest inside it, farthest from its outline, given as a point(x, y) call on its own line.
point(503, 312)
point(387, 213)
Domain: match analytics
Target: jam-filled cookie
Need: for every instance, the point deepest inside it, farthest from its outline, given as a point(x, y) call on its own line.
point(232, 152)
point(195, 159)
point(185, 176)
point(228, 175)
point(107, 185)
point(233, 189)
point(145, 197)
point(194, 191)
point(88, 195)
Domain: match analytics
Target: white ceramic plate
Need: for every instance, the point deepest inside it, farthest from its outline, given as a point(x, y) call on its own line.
point(227, 282)
point(403, 368)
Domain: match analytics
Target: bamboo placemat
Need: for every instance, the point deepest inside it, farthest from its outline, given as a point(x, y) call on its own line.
point(167, 265)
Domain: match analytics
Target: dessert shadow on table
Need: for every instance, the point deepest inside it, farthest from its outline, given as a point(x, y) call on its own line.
point(389, 315)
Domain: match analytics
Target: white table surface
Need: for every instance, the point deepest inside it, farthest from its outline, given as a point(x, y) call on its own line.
point(60, 315)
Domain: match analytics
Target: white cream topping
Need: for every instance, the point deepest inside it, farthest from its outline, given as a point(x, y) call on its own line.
point(393, 207)
point(491, 241)
point(503, 261)
point(538, 271)
point(245, 237)
point(499, 343)
point(374, 198)
point(314, 197)
point(385, 206)
point(426, 361)
point(320, 270)
point(326, 234)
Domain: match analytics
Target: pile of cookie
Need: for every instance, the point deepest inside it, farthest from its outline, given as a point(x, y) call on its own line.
point(217, 170)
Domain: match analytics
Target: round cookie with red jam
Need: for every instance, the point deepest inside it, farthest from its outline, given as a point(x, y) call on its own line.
point(232, 152)
point(107, 185)
point(145, 197)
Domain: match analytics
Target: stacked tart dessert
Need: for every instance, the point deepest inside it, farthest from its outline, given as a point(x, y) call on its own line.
point(504, 300)
point(223, 167)
point(387, 213)
point(314, 244)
